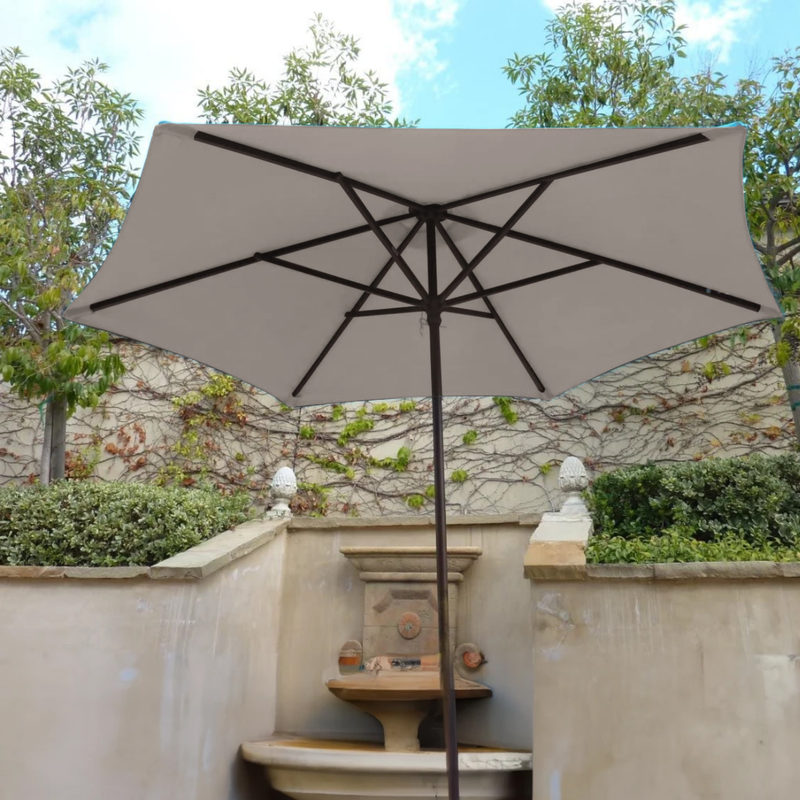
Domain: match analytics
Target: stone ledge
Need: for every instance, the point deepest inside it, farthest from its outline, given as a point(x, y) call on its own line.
point(726, 570)
point(635, 572)
point(91, 573)
point(560, 560)
point(692, 571)
point(410, 521)
point(197, 562)
point(790, 569)
point(209, 556)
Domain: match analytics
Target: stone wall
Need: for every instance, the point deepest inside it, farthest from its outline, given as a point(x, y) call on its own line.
point(130, 683)
point(679, 681)
point(664, 681)
point(659, 680)
point(173, 419)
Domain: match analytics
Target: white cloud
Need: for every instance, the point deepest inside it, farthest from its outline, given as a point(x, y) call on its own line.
point(715, 25)
point(163, 51)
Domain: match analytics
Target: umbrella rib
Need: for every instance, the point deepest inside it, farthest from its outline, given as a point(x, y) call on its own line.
point(357, 307)
point(462, 262)
point(383, 312)
point(171, 284)
point(482, 294)
point(335, 237)
point(298, 166)
point(613, 262)
point(315, 273)
point(347, 185)
point(243, 262)
point(498, 237)
point(665, 147)
point(470, 312)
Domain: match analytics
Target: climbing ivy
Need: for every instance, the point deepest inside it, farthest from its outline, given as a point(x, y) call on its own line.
point(506, 409)
point(176, 422)
point(353, 429)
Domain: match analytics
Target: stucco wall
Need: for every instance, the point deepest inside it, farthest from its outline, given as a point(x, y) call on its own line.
point(138, 688)
point(664, 682)
point(666, 689)
point(323, 607)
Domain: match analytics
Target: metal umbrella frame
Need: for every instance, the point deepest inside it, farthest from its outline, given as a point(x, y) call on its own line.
point(433, 302)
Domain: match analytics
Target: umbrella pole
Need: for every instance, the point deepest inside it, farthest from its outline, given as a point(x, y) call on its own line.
point(445, 651)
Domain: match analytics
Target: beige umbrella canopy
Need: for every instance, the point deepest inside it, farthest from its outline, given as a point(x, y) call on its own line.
point(333, 264)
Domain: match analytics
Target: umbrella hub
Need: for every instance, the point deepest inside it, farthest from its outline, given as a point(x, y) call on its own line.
point(430, 213)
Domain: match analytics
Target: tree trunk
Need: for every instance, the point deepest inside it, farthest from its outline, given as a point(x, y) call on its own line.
point(59, 443)
point(44, 467)
point(791, 374)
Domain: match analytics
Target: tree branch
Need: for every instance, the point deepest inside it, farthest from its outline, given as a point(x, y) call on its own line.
point(25, 320)
point(787, 245)
point(761, 249)
point(787, 257)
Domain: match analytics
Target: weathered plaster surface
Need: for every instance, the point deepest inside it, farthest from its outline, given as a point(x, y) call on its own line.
point(132, 689)
point(679, 681)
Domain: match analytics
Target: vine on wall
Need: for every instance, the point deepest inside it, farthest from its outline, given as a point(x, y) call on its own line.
point(174, 421)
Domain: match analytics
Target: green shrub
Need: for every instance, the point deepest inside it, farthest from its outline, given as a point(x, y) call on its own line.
point(77, 523)
point(676, 547)
point(731, 509)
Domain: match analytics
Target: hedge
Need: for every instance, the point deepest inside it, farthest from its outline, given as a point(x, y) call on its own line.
point(80, 523)
point(721, 509)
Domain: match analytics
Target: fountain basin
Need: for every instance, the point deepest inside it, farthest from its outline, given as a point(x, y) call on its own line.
point(402, 686)
point(307, 769)
point(400, 700)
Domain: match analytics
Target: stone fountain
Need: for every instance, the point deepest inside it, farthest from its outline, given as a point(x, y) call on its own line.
point(393, 675)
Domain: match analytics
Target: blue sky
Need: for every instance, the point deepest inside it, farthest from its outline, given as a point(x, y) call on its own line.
point(472, 91)
point(443, 58)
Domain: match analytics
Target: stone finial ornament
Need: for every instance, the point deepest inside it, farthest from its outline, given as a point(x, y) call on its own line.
point(283, 489)
point(572, 480)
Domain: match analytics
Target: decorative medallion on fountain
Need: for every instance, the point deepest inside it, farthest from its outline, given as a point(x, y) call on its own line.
point(409, 625)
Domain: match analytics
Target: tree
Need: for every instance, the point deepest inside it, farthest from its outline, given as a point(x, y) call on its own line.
point(321, 85)
point(616, 65)
point(65, 181)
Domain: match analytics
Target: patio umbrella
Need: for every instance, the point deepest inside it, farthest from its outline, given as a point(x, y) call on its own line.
point(333, 264)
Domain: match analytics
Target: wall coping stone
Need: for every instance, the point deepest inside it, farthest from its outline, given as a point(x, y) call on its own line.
point(692, 571)
point(195, 563)
point(92, 573)
point(409, 521)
